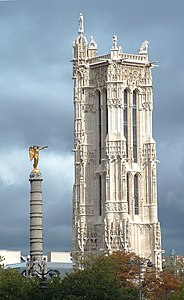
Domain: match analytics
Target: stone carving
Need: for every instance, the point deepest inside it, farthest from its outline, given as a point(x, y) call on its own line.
point(88, 108)
point(92, 43)
point(114, 42)
point(125, 234)
point(116, 207)
point(111, 235)
point(146, 101)
point(81, 24)
point(86, 210)
point(87, 238)
point(81, 236)
point(98, 76)
point(144, 47)
point(138, 76)
point(148, 153)
point(116, 149)
point(157, 235)
point(117, 234)
point(92, 242)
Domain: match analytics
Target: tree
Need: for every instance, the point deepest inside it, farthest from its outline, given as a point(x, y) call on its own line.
point(1, 262)
point(174, 264)
point(87, 285)
point(14, 286)
point(102, 279)
point(112, 277)
point(160, 285)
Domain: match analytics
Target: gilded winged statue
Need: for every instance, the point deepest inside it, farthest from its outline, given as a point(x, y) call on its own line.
point(34, 154)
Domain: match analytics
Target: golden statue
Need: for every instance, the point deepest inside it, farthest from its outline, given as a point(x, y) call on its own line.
point(34, 154)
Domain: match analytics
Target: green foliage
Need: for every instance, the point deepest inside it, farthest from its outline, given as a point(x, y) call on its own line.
point(13, 286)
point(104, 278)
point(178, 296)
point(89, 285)
point(1, 262)
point(175, 265)
point(100, 280)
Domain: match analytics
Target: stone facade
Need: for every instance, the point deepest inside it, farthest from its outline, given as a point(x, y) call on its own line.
point(115, 188)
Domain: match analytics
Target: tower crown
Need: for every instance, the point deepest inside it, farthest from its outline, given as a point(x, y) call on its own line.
point(80, 45)
point(81, 50)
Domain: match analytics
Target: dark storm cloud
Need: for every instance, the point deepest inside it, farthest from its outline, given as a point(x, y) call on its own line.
point(36, 105)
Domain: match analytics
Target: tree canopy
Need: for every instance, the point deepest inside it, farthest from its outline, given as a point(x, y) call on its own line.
point(14, 286)
point(118, 276)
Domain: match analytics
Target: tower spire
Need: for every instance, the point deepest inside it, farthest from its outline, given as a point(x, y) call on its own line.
point(81, 24)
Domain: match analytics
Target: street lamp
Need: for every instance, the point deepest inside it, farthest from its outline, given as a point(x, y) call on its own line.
point(149, 265)
point(43, 278)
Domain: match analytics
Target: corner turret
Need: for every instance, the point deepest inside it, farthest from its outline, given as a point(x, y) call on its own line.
point(80, 46)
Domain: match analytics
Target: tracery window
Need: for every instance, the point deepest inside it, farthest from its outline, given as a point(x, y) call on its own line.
point(99, 125)
point(126, 120)
point(128, 195)
point(134, 125)
point(136, 195)
point(106, 114)
point(100, 195)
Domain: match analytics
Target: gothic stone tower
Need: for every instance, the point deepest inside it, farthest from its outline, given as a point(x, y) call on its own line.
point(115, 188)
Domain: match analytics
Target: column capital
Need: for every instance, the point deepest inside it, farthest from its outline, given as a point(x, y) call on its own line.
point(35, 176)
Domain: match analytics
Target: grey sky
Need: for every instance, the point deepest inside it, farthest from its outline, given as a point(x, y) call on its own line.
point(36, 106)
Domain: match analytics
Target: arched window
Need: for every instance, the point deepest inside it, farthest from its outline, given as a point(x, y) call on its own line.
point(134, 125)
point(128, 195)
point(126, 120)
point(136, 195)
point(100, 195)
point(99, 126)
point(106, 114)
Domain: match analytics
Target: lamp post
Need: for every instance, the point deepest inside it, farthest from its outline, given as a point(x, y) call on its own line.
point(43, 278)
point(149, 264)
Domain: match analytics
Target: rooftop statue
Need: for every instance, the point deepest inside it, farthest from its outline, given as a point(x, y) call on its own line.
point(34, 154)
point(81, 24)
point(144, 47)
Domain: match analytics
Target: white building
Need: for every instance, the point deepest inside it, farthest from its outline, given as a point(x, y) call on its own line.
point(61, 257)
point(10, 256)
point(115, 188)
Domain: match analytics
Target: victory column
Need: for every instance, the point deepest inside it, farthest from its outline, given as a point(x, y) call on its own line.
point(36, 262)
